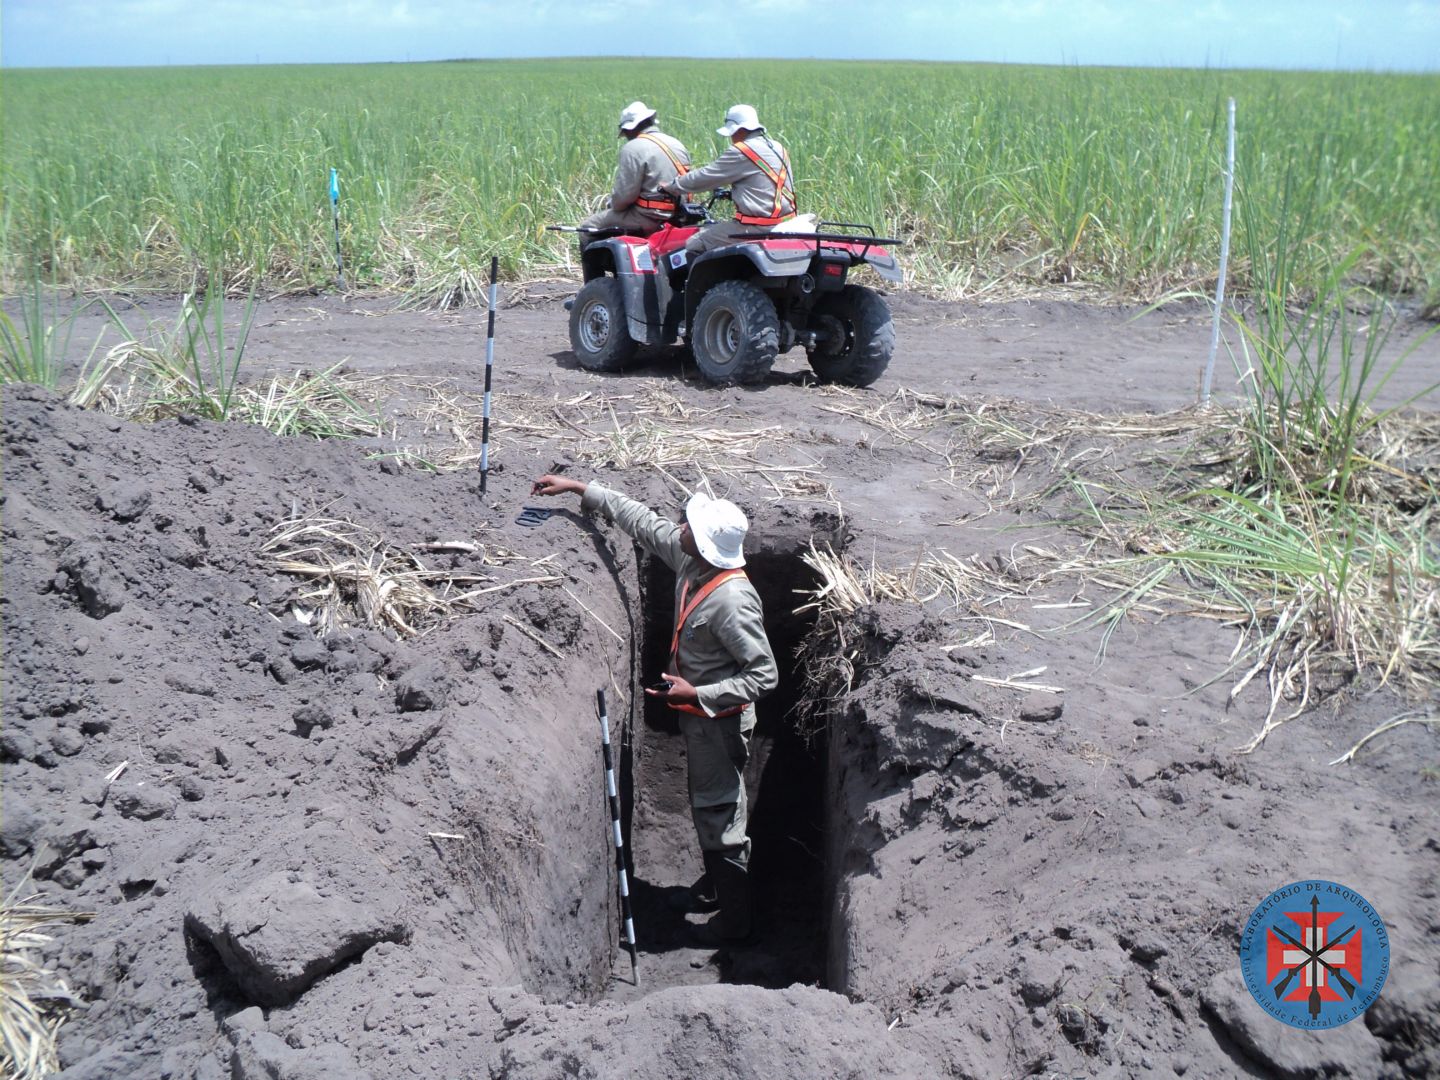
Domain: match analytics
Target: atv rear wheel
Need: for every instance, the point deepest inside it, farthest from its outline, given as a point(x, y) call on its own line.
point(598, 331)
point(736, 333)
point(859, 336)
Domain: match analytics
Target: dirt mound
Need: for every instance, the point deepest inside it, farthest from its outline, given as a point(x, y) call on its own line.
point(335, 853)
point(708, 1031)
point(269, 827)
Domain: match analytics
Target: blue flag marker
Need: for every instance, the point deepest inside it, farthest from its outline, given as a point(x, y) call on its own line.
point(335, 215)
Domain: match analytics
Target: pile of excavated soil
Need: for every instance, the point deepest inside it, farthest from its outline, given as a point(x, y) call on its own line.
point(349, 854)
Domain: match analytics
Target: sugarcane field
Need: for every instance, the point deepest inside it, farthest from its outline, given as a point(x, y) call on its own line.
point(970, 610)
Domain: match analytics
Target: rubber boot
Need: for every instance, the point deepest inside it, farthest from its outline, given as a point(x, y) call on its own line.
point(733, 926)
point(699, 898)
point(732, 888)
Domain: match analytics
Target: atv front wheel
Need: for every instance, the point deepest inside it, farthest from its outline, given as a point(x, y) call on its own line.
point(598, 333)
point(859, 336)
point(736, 333)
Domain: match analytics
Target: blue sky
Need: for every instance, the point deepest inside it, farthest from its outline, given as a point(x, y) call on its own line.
point(1397, 35)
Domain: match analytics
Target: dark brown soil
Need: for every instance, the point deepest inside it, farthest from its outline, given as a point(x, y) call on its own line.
point(956, 879)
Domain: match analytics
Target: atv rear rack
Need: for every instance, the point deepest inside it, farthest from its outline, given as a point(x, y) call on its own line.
point(868, 239)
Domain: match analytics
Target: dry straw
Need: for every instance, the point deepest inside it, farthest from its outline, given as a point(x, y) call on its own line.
point(983, 443)
point(352, 577)
point(831, 657)
point(34, 1000)
point(144, 384)
point(650, 429)
point(1319, 588)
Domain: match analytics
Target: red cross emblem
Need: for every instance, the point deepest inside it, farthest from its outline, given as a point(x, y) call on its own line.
point(1311, 958)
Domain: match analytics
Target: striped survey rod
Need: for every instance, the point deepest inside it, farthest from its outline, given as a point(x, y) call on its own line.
point(614, 794)
point(489, 367)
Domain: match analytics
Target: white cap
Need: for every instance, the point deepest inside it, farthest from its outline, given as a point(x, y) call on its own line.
point(740, 116)
point(635, 114)
point(719, 528)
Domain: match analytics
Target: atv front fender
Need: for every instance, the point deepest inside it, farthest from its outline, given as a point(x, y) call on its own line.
point(652, 310)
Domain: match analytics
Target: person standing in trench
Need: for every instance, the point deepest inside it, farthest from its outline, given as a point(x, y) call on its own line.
point(720, 663)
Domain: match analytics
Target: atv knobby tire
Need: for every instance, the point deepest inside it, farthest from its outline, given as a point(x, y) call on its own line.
point(736, 333)
point(863, 337)
point(599, 334)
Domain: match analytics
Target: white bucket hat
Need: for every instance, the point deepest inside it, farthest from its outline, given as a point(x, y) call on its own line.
point(740, 116)
point(719, 528)
point(635, 114)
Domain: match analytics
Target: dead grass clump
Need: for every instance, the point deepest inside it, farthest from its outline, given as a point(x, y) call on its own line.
point(831, 656)
point(1322, 587)
point(34, 999)
point(983, 443)
point(351, 577)
point(143, 384)
point(1328, 563)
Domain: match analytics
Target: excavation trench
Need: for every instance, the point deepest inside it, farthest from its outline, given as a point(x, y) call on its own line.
point(558, 915)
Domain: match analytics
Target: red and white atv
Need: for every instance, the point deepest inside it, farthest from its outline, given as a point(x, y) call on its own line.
point(739, 306)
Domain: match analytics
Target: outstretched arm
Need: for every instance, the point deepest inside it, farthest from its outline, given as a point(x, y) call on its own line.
point(648, 529)
point(726, 169)
point(550, 484)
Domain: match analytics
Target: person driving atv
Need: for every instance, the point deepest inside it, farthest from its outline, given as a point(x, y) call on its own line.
point(648, 159)
point(757, 170)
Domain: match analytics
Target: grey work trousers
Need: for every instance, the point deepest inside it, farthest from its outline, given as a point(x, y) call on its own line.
point(633, 220)
point(716, 750)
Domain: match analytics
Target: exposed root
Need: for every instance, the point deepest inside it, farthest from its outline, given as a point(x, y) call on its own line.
point(1389, 725)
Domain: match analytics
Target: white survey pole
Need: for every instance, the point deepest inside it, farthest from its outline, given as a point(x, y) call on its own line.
point(1224, 256)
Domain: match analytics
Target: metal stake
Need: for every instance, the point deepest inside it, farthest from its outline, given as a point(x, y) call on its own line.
point(614, 794)
point(489, 367)
point(1224, 253)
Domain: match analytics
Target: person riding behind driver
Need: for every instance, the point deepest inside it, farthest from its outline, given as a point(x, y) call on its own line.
point(757, 169)
point(648, 159)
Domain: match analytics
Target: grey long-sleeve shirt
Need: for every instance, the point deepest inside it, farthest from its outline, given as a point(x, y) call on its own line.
point(643, 167)
point(724, 652)
point(750, 189)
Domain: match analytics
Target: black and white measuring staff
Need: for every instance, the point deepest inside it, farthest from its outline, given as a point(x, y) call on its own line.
point(335, 214)
point(489, 367)
point(614, 794)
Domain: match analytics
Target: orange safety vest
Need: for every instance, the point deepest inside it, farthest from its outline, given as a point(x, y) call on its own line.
point(685, 611)
point(663, 204)
point(780, 179)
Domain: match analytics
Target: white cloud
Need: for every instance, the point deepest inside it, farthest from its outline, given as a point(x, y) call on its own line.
point(1423, 16)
